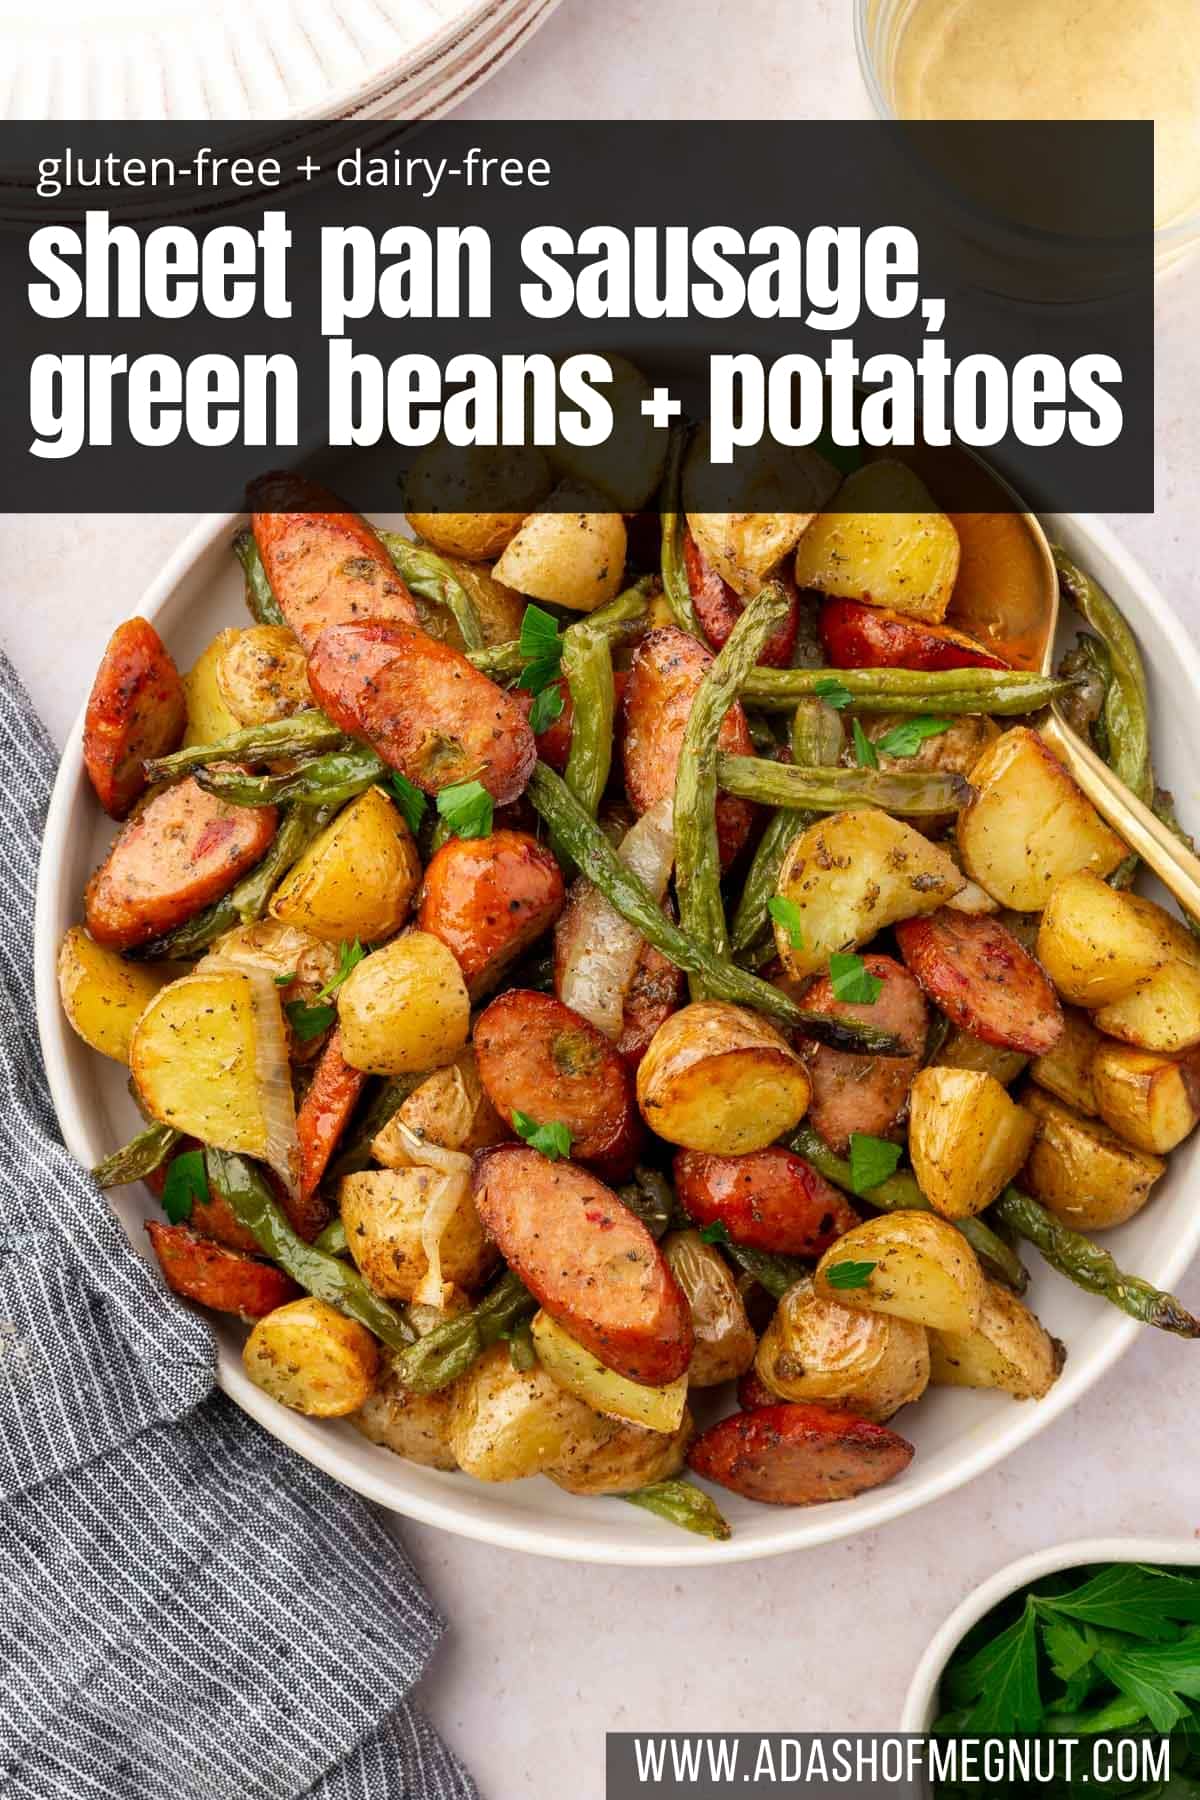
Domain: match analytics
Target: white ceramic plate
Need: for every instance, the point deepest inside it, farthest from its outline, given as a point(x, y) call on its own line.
point(957, 1434)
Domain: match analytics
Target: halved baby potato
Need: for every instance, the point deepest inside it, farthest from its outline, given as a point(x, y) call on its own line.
point(208, 716)
point(1066, 1070)
point(473, 479)
point(1008, 1349)
point(309, 1356)
point(887, 544)
point(852, 874)
point(383, 1211)
point(575, 559)
point(357, 879)
point(816, 1349)
point(104, 996)
point(628, 1460)
point(575, 1369)
point(1029, 825)
point(449, 1109)
point(917, 1266)
point(404, 1008)
point(1162, 1014)
point(724, 1342)
point(745, 547)
point(194, 1061)
point(507, 1423)
point(721, 1078)
point(1149, 1099)
point(966, 1138)
point(1098, 944)
point(1081, 1171)
point(262, 674)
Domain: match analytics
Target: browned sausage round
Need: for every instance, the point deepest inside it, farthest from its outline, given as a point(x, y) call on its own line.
point(487, 899)
point(538, 1057)
point(183, 850)
point(753, 1391)
point(222, 1279)
point(137, 709)
point(588, 1260)
point(324, 566)
point(768, 1199)
point(718, 608)
point(974, 969)
point(656, 991)
point(423, 707)
point(794, 1455)
point(668, 666)
point(212, 1218)
point(866, 1094)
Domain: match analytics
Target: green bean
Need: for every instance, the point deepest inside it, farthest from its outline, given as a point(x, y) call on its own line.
point(1090, 1267)
point(333, 1239)
point(761, 734)
point(138, 1158)
point(910, 793)
point(430, 576)
point(260, 596)
point(676, 586)
point(332, 779)
point(435, 1361)
point(679, 1503)
point(773, 1272)
point(697, 852)
point(1126, 703)
point(499, 660)
point(521, 1353)
point(325, 1277)
point(900, 1193)
point(591, 851)
point(752, 917)
point(818, 735)
point(300, 735)
point(587, 665)
point(1002, 692)
point(650, 1198)
point(355, 1154)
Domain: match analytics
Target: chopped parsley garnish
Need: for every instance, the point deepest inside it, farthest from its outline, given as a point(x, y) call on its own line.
point(553, 1140)
point(408, 798)
point(716, 1232)
point(308, 1022)
point(541, 646)
point(849, 1274)
point(906, 738)
point(547, 706)
point(852, 981)
point(282, 981)
point(787, 913)
point(833, 692)
point(872, 1160)
point(185, 1184)
point(467, 809)
point(864, 750)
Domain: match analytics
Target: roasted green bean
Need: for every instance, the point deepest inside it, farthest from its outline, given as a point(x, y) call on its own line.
point(773, 1272)
point(331, 779)
point(1002, 692)
point(426, 573)
point(650, 1197)
point(333, 1239)
point(138, 1158)
point(676, 586)
point(260, 596)
point(300, 735)
point(449, 1350)
point(909, 793)
point(587, 665)
point(679, 1503)
point(1126, 704)
point(818, 735)
point(817, 740)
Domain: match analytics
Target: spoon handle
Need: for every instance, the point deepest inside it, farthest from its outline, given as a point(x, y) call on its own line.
point(1174, 864)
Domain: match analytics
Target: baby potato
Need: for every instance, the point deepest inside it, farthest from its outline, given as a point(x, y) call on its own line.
point(1081, 1171)
point(724, 1342)
point(104, 996)
point(262, 674)
point(357, 879)
point(472, 479)
point(1163, 1014)
point(1098, 944)
point(1008, 1349)
point(383, 1211)
point(280, 950)
point(449, 1109)
point(818, 1350)
point(886, 544)
point(194, 1061)
point(919, 1267)
point(404, 1008)
point(1066, 1070)
point(208, 716)
point(506, 1423)
point(1150, 1100)
point(415, 1426)
point(718, 1077)
point(309, 1356)
point(575, 559)
point(966, 1138)
point(628, 1460)
point(745, 547)
point(577, 1371)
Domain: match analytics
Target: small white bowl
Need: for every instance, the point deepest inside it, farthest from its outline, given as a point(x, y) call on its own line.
point(920, 1705)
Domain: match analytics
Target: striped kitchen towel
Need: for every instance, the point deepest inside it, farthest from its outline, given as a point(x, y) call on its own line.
point(188, 1611)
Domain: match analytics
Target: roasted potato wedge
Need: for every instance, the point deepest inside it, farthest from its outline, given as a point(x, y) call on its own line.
point(718, 1077)
point(280, 950)
point(415, 1426)
point(311, 1357)
point(208, 717)
point(852, 874)
point(1029, 825)
point(920, 1268)
point(262, 675)
point(745, 547)
point(1150, 1100)
point(579, 1373)
point(865, 1362)
point(1163, 1014)
point(967, 1139)
point(404, 1007)
point(450, 1109)
point(103, 995)
point(194, 1061)
point(1009, 1349)
point(963, 1050)
point(575, 559)
point(357, 879)
point(630, 1459)
point(1066, 1070)
point(887, 544)
point(505, 1424)
point(474, 478)
point(724, 1342)
point(1098, 944)
point(1081, 1171)
point(383, 1211)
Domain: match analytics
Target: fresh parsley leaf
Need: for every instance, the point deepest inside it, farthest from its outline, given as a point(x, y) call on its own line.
point(833, 692)
point(185, 1184)
point(553, 1140)
point(715, 1232)
point(852, 981)
point(872, 1160)
point(349, 957)
point(547, 706)
point(1156, 1676)
point(282, 981)
point(864, 750)
point(408, 798)
point(787, 913)
point(1070, 1651)
point(541, 645)
point(1129, 1597)
point(1002, 1681)
point(849, 1274)
point(906, 738)
point(467, 809)
point(308, 1022)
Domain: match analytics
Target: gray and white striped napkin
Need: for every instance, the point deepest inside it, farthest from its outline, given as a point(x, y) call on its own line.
point(188, 1611)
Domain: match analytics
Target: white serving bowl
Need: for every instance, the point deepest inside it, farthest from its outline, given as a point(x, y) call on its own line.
point(957, 1434)
point(920, 1703)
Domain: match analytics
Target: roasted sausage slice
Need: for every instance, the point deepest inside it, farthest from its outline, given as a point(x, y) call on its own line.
point(554, 744)
point(768, 1200)
point(423, 707)
point(538, 1057)
point(974, 969)
point(798, 1455)
point(752, 1391)
point(324, 1113)
point(856, 636)
point(718, 608)
point(137, 709)
point(868, 1094)
point(487, 899)
point(212, 1218)
point(668, 666)
point(184, 849)
point(588, 1260)
point(325, 566)
point(225, 1280)
point(656, 991)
